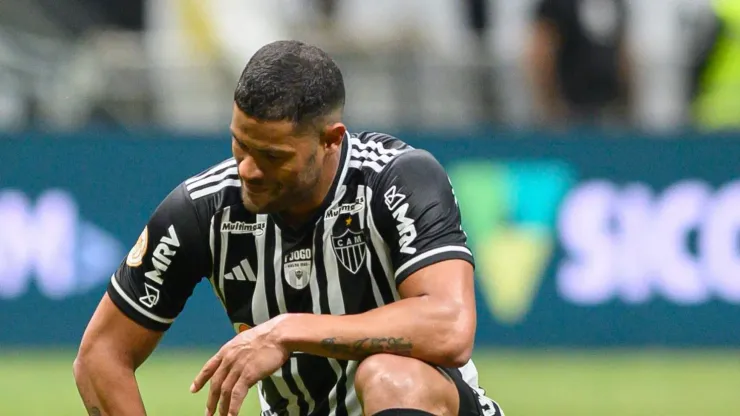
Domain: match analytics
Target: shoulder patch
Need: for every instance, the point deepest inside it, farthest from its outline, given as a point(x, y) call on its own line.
point(136, 255)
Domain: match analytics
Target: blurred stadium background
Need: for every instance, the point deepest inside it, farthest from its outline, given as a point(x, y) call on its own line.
point(593, 145)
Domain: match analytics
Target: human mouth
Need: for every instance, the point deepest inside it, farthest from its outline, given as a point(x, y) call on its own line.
point(255, 190)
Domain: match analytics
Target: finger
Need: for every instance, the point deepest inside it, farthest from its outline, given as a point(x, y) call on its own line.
point(216, 382)
point(226, 388)
point(206, 373)
point(238, 394)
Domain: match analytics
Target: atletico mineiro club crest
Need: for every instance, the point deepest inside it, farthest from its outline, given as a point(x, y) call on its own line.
point(350, 249)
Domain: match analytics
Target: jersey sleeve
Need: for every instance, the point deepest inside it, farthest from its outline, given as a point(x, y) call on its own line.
point(416, 213)
point(160, 272)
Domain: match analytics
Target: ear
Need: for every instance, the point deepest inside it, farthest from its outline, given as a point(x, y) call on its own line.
point(333, 135)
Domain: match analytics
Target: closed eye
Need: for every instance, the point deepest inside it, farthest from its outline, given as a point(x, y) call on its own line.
point(265, 154)
point(241, 145)
point(271, 156)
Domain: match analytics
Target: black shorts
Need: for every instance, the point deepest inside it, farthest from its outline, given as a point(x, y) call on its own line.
point(471, 402)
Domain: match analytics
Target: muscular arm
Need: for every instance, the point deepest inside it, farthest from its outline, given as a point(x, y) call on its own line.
point(112, 348)
point(434, 322)
point(416, 213)
point(142, 300)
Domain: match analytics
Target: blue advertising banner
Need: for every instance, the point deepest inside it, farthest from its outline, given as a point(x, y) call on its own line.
point(580, 240)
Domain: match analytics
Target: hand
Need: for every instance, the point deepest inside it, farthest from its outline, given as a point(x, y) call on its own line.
point(248, 358)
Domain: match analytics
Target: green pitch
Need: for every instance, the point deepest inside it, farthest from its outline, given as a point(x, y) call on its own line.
point(568, 383)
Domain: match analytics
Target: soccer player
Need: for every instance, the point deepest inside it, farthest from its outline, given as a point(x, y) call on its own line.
point(339, 258)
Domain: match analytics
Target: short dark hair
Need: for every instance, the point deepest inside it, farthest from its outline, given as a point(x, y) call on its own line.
point(290, 81)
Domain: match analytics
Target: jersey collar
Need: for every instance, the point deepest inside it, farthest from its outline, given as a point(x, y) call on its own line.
point(336, 191)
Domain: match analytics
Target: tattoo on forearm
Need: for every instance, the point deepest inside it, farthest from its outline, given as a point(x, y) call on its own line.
point(368, 346)
point(94, 411)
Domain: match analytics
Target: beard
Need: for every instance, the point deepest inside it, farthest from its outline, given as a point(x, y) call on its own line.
point(272, 203)
point(284, 197)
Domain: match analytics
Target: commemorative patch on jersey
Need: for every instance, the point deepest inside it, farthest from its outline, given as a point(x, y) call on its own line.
point(350, 248)
point(136, 255)
point(297, 268)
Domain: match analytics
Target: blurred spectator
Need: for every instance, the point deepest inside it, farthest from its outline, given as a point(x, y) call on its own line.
point(716, 69)
point(126, 14)
point(579, 62)
point(328, 8)
point(478, 23)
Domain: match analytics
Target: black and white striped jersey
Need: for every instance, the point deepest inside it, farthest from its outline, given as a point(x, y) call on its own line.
point(390, 212)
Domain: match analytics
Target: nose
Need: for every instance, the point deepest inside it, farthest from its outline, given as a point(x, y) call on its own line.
point(248, 169)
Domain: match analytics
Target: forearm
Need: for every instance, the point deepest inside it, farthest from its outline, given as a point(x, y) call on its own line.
point(107, 388)
point(418, 327)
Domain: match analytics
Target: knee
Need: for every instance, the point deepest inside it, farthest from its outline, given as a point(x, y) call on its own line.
point(392, 374)
point(385, 381)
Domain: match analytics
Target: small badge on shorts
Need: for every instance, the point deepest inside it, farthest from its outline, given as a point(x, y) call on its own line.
point(136, 255)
